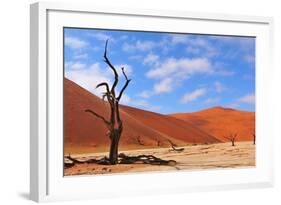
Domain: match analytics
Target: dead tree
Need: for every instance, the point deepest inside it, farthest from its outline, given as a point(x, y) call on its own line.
point(174, 147)
point(232, 138)
point(158, 143)
point(139, 141)
point(254, 138)
point(114, 124)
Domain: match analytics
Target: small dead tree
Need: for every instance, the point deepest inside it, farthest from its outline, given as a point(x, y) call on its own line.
point(254, 138)
point(158, 142)
point(114, 124)
point(232, 138)
point(173, 145)
point(139, 141)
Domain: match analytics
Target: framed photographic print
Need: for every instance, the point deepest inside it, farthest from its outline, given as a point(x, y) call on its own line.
point(147, 101)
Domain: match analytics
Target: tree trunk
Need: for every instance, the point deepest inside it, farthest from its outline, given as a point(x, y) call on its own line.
point(113, 101)
point(113, 153)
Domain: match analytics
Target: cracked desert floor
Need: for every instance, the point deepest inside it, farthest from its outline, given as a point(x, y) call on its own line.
point(211, 156)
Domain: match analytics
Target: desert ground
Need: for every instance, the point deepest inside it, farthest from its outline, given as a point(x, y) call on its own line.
point(196, 157)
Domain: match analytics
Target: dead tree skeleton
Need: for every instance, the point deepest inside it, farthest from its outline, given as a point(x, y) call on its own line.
point(139, 141)
point(114, 125)
point(173, 145)
point(232, 138)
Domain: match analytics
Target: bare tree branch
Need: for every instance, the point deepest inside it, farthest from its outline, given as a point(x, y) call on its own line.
point(172, 144)
point(106, 60)
point(97, 115)
point(125, 86)
point(110, 99)
point(104, 84)
point(123, 71)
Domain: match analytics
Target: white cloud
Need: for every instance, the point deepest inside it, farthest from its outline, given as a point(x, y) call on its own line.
point(164, 86)
point(125, 99)
point(244, 42)
point(233, 105)
point(189, 97)
point(89, 78)
point(195, 45)
point(222, 69)
point(80, 56)
point(101, 36)
point(75, 43)
point(193, 50)
point(135, 57)
point(180, 68)
point(171, 72)
point(224, 72)
point(127, 69)
point(145, 94)
point(211, 100)
point(219, 87)
point(248, 99)
point(138, 46)
point(178, 38)
point(74, 65)
point(151, 59)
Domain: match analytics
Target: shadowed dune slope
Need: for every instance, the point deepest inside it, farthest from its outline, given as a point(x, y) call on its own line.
point(83, 129)
point(221, 122)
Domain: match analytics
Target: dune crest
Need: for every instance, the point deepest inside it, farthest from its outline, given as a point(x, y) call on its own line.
point(221, 122)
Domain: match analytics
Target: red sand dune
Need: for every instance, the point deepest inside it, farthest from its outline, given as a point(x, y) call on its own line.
point(221, 122)
point(82, 129)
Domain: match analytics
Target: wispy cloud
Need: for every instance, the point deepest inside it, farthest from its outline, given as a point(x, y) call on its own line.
point(75, 43)
point(219, 87)
point(138, 46)
point(170, 72)
point(249, 99)
point(180, 68)
point(233, 105)
point(74, 65)
point(89, 78)
point(211, 100)
point(196, 45)
point(145, 94)
point(179, 39)
point(80, 56)
point(164, 86)
point(151, 59)
point(127, 69)
point(125, 99)
point(101, 36)
point(191, 96)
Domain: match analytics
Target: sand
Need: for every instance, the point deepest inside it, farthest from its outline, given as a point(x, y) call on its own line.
point(197, 157)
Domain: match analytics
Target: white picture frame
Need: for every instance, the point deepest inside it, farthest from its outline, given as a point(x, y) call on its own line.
point(46, 162)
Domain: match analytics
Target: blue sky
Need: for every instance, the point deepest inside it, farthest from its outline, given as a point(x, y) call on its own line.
point(170, 73)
